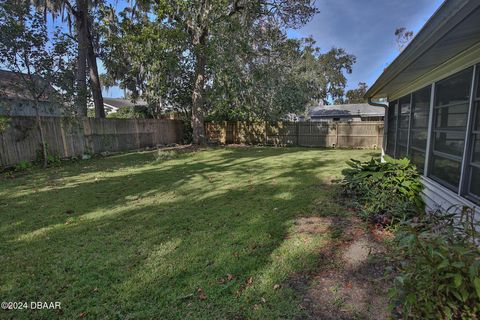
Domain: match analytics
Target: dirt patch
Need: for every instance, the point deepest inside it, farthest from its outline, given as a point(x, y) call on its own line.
point(312, 225)
point(350, 281)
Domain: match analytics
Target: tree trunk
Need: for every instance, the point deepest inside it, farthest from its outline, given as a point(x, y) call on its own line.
point(42, 135)
point(198, 94)
point(94, 78)
point(81, 73)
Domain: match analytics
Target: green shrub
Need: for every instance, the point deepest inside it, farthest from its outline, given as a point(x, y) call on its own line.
point(386, 192)
point(23, 165)
point(439, 267)
point(187, 132)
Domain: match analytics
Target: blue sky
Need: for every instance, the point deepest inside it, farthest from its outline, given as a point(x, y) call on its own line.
point(364, 28)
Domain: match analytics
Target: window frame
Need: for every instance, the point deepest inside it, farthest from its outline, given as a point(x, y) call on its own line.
point(472, 133)
point(428, 111)
point(466, 160)
point(458, 189)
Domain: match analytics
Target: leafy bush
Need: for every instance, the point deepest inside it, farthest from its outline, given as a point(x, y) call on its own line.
point(23, 165)
point(385, 192)
point(439, 266)
point(51, 158)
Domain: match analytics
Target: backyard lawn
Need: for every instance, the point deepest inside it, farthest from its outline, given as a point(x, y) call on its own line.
point(207, 234)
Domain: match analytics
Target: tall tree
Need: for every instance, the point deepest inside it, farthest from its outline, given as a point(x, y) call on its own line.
point(403, 37)
point(357, 95)
point(148, 59)
point(276, 77)
point(253, 71)
point(80, 14)
point(36, 61)
point(204, 20)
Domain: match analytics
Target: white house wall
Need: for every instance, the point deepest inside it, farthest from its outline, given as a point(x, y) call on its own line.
point(437, 197)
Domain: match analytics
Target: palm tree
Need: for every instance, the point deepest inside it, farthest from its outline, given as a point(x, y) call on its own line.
point(86, 56)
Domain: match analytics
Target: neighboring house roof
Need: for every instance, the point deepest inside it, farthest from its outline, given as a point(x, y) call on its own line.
point(118, 102)
point(453, 31)
point(13, 86)
point(346, 110)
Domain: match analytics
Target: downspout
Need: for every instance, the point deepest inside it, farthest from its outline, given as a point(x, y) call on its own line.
point(385, 121)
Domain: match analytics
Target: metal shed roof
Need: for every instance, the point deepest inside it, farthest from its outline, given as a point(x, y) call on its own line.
point(346, 110)
point(451, 31)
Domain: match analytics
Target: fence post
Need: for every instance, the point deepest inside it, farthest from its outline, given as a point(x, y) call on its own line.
point(265, 136)
point(378, 135)
point(297, 129)
point(336, 134)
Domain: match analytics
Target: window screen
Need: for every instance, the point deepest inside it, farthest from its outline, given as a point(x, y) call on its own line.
point(452, 97)
point(392, 128)
point(474, 168)
point(419, 126)
point(403, 126)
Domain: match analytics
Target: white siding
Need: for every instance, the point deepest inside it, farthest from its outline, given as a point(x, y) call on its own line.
point(438, 197)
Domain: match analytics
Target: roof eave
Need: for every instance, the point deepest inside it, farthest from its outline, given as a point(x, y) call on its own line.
point(443, 20)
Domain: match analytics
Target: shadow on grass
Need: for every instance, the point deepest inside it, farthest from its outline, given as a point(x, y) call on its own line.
point(127, 237)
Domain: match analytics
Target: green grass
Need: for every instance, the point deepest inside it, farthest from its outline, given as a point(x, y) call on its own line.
point(136, 235)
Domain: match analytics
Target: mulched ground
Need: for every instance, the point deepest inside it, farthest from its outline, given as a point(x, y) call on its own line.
point(350, 281)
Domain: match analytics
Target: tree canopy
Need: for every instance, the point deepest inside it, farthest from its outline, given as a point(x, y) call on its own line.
point(248, 68)
point(206, 59)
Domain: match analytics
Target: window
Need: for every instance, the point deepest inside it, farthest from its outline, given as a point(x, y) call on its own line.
point(473, 180)
point(403, 126)
point(392, 128)
point(419, 126)
point(452, 98)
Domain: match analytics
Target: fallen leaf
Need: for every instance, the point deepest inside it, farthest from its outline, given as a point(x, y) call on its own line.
point(230, 277)
point(221, 280)
point(264, 300)
point(201, 294)
point(249, 280)
point(83, 314)
point(276, 287)
point(256, 307)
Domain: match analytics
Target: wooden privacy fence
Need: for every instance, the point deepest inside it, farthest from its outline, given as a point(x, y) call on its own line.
point(307, 134)
point(69, 137)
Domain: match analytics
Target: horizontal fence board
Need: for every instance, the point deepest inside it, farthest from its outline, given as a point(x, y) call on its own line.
point(69, 137)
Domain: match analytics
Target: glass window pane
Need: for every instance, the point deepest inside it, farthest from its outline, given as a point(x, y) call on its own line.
point(454, 117)
point(401, 151)
point(419, 139)
point(418, 159)
point(419, 123)
point(404, 112)
point(447, 171)
point(476, 148)
point(404, 122)
point(420, 119)
point(477, 118)
point(402, 143)
point(478, 82)
point(455, 89)
point(392, 128)
point(449, 142)
point(475, 182)
point(452, 97)
point(421, 100)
